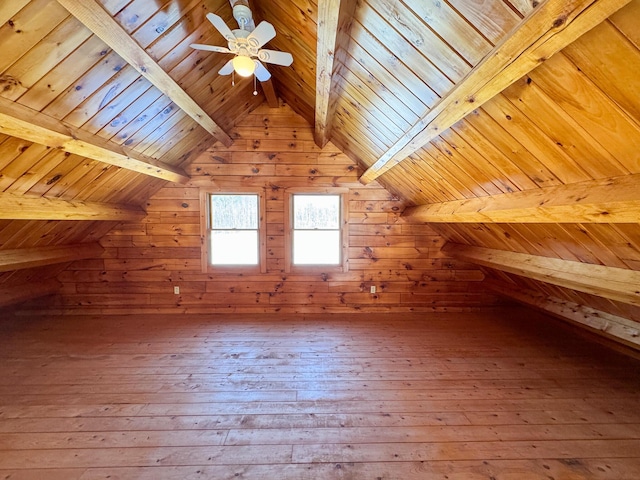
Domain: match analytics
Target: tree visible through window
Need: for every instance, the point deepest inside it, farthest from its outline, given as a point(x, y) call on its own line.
point(234, 221)
point(316, 230)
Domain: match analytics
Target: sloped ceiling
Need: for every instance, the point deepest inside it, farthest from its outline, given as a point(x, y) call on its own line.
point(508, 122)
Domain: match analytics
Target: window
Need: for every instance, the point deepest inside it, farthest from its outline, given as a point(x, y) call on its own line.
point(317, 230)
point(231, 225)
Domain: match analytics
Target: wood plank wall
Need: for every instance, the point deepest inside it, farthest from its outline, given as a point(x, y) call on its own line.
point(273, 149)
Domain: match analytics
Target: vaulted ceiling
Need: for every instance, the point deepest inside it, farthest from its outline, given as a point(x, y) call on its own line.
point(506, 122)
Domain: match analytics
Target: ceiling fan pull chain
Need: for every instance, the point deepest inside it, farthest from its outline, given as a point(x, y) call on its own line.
point(255, 86)
point(233, 78)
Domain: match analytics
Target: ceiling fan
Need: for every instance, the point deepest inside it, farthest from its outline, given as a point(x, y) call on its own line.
point(245, 43)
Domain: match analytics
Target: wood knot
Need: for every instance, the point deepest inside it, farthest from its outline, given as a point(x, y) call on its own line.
point(559, 22)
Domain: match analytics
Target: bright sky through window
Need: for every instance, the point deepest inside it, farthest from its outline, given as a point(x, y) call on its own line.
point(316, 230)
point(234, 229)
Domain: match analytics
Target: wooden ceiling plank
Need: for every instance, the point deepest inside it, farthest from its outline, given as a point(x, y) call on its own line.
point(99, 89)
point(38, 171)
point(485, 165)
point(549, 28)
point(405, 62)
point(334, 26)
point(601, 118)
point(30, 25)
point(45, 56)
point(100, 22)
point(380, 80)
point(31, 156)
point(21, 207)
point(23, 122)
point(516, 156)
point(493, 19)
point(21, 258)
point(370, 100)
point(426, 41)
point(372, 118)
point(608, 282)
point(454, 29)
point(9, 9)
point(611, 200)
point(534, 139)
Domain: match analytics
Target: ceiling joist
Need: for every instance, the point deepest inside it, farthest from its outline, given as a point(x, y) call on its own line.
point(19, 207)
point(334, 25)
point(549, 28)
point(40, 256)
point(609, 282)
point(23, 122)
point(612, 200)
point(99, 21)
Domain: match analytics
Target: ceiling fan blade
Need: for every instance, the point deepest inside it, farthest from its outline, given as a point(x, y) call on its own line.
point(261, 72)
point(261, 35)
point(210, 48)
point(277, 58)
point(222, 27)
point(227, 68)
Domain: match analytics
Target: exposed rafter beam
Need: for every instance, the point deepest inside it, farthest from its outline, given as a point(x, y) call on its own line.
point(100, 22)
point(553, 25)
point(609, 282)
point(23, 122)
point(334, 26)
point(19, 207)
point(612, 200)
point(40, 256)
point(270, 93)
point(602, 323)
point(11, 295)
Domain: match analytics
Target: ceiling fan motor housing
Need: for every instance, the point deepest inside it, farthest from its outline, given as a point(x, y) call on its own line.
point(243, 45)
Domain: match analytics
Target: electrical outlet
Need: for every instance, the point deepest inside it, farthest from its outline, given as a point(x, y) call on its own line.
point(373, 289)
point(176, 290)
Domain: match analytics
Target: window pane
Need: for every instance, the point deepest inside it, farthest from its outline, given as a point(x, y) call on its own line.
point(316, 211)
point(316, 247)
point(239, 247)
point(234, 211)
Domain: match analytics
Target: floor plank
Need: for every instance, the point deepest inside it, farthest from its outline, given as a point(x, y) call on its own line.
point(500, 394)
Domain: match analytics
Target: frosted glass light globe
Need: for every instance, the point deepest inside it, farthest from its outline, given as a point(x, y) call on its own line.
point(243, 66)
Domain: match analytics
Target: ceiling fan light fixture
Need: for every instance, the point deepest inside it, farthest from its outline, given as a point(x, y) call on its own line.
point(244, 66)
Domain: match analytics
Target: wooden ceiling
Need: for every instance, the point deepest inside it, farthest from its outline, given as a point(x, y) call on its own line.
point(512, 124)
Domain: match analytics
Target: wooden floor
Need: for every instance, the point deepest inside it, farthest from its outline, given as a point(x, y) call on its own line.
point(498, 395)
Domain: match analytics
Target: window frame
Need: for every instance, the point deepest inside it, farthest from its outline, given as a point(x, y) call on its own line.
point(343, 266)
point(205, 232)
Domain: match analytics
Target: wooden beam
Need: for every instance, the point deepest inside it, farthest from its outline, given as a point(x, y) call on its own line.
point(334, 26)
point(11, 295)
point(23, 122)
point(597, 321)
point(270, 93)
point(611, 200)
point(19, 207)
point(614, 283)
point(549, 28)
point(37, 257)
point(100, 22)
